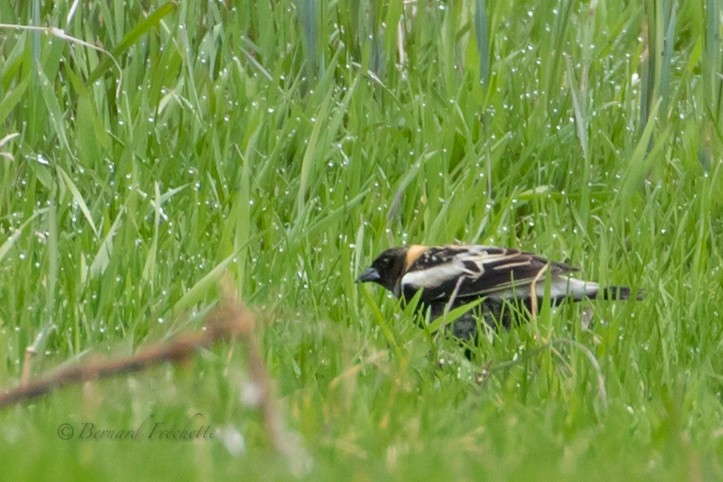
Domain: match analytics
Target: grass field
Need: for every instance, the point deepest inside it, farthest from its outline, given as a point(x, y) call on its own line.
point(146, 149)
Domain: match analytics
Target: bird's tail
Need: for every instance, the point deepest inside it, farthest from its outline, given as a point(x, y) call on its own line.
point(580, 290)
point(618, 293)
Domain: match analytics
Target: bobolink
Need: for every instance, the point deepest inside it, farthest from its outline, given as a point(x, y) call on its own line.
point(454, 275)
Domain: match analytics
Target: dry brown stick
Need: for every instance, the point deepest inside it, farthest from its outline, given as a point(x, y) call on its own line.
point(229, 319)
point(533, 290)
point(29, 354)
point(283, 441)
point(223, 322)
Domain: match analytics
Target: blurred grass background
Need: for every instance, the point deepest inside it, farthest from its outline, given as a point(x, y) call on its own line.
point(147, 148)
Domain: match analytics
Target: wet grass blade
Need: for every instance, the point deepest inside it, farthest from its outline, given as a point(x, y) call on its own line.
point(141, 28)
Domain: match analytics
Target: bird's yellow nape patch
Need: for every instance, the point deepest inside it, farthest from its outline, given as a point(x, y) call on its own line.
point(413, 254)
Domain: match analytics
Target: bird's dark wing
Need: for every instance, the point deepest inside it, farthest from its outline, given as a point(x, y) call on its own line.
point(467, 271)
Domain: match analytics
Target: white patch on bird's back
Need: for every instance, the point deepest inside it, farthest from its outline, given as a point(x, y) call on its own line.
point(454, 268)
point(573, 287)
point(559, 287)
point(436, 275)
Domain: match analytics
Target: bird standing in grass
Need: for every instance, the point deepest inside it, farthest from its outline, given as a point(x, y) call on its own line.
point(454, 275)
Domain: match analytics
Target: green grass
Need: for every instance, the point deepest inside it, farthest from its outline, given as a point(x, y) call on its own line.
point(287, 143)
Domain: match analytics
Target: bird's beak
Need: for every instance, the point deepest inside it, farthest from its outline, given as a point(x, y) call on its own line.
point(369, 274)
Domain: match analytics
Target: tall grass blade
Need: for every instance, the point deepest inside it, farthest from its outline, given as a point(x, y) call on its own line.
point(142, 28)
point(308, 18)
point(483, 48)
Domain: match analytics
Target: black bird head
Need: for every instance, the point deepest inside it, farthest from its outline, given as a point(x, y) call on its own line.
point(387, 270)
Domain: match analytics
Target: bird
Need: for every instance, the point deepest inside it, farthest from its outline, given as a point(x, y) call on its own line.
point(504, 279)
